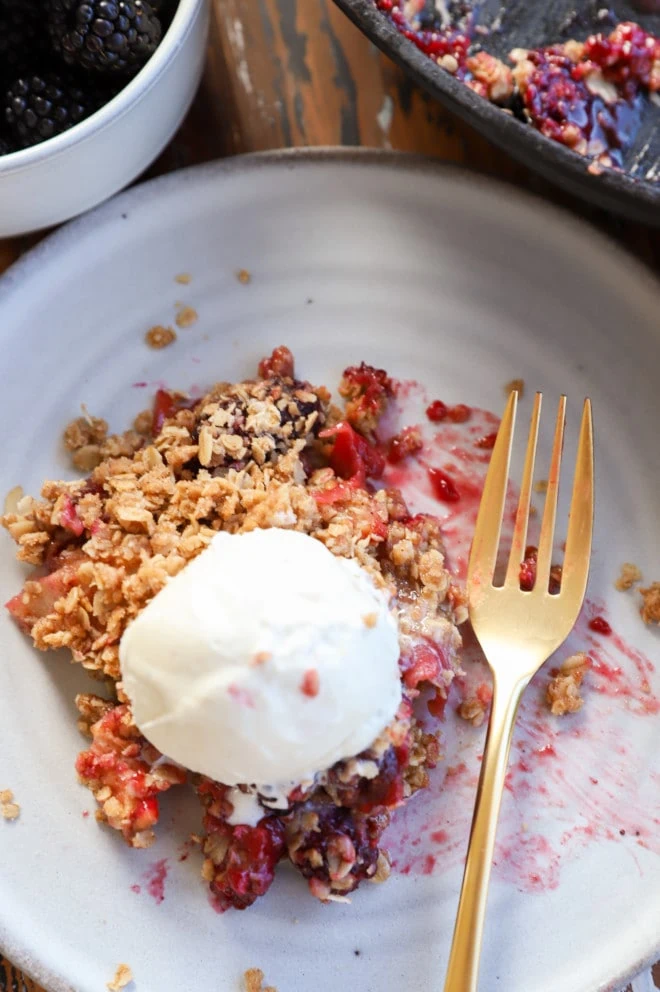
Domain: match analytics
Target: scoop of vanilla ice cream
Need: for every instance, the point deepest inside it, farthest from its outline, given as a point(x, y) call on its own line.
point(265, 660)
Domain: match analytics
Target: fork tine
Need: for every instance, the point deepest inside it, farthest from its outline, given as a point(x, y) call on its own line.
point(485, 542)
point(581, 516)
point(550, 512)
point(522, 513)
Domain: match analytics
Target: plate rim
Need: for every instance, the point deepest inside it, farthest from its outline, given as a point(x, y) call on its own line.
point(557, 222)
point(608, 188)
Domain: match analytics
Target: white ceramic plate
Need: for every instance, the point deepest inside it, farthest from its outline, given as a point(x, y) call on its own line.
point(461, 285)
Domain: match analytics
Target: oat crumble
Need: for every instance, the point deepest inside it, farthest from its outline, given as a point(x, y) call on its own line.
point(12, 499)
point(123, 977)
point(9, 810)
point(186, 316)
point(160, 337)
point(270, 451)
point(253, 981)
point(650, 608)
point(629, 575)
point(473, 711)
point(563, 690)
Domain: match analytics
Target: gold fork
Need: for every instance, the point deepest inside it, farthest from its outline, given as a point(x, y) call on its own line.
point(518, 630)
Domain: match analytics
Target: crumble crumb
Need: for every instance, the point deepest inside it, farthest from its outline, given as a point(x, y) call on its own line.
point(85, 430)
point(253, 981)
point(650, 608)
point(12, 499)
point(370, 620)
point(143, 423)
point(87, 458)
point(541, 486)
point(244, 276)
point(261, 657)
point(9, 810)
point(473, 711)
point(123, 977)
point(563, 690)
point(186, 316)
point(629, 575)
point(184, 278)
point(159, 336)
point(516, 384)
point(448, 62)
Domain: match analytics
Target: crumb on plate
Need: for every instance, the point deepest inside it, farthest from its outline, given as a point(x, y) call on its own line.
point(159, 336)
point(253, 981)
point(9, 810)
point(244, 276)
point(186, 316)
point(84, 431)
point(516, 384)
point(123, 977)
point(650, 608)
point(184, 278)
point(13, 498)
point(563, 690)
point(628, 576)
point(473, 711)
point(541, 486)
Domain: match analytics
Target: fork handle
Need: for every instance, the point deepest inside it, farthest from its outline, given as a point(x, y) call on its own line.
point(463, 970)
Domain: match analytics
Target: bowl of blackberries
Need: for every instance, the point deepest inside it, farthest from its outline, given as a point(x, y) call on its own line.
point(91, 91)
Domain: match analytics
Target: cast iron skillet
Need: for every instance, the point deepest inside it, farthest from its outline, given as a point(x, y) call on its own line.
point(530, 24)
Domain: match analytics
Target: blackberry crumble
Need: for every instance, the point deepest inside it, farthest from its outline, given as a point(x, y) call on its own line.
point(269, 452)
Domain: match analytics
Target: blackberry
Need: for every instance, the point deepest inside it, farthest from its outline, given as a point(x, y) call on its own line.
point(21, 36)
point(39, 107)
point(112, 36)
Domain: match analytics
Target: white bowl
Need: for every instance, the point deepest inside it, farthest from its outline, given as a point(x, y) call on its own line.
point(66, 175)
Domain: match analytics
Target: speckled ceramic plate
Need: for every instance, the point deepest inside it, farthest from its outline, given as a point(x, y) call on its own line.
point(456, 284)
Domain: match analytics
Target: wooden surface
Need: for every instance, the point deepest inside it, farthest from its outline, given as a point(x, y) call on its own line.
point(296, 72)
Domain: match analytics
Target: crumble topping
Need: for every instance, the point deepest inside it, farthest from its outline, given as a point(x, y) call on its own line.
point(270, 451)
point(160, 337)
point(650, 608)
point(629, 575)
point(123, 977)
point(186, 316)
point(253, 981)
point(563, 690)
point(184, 278)
point(84, 431)
point(9, 810)
point(12, 499)
point(244, 276)
point(473, 711)
point(474, 708)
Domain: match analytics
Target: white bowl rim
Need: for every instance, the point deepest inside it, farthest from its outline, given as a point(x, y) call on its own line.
point(114, 109)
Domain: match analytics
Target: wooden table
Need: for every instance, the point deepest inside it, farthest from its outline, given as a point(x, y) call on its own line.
point(296, 72)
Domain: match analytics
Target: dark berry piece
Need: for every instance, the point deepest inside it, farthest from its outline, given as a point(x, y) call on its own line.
point(37, 108)
point(116, 36)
